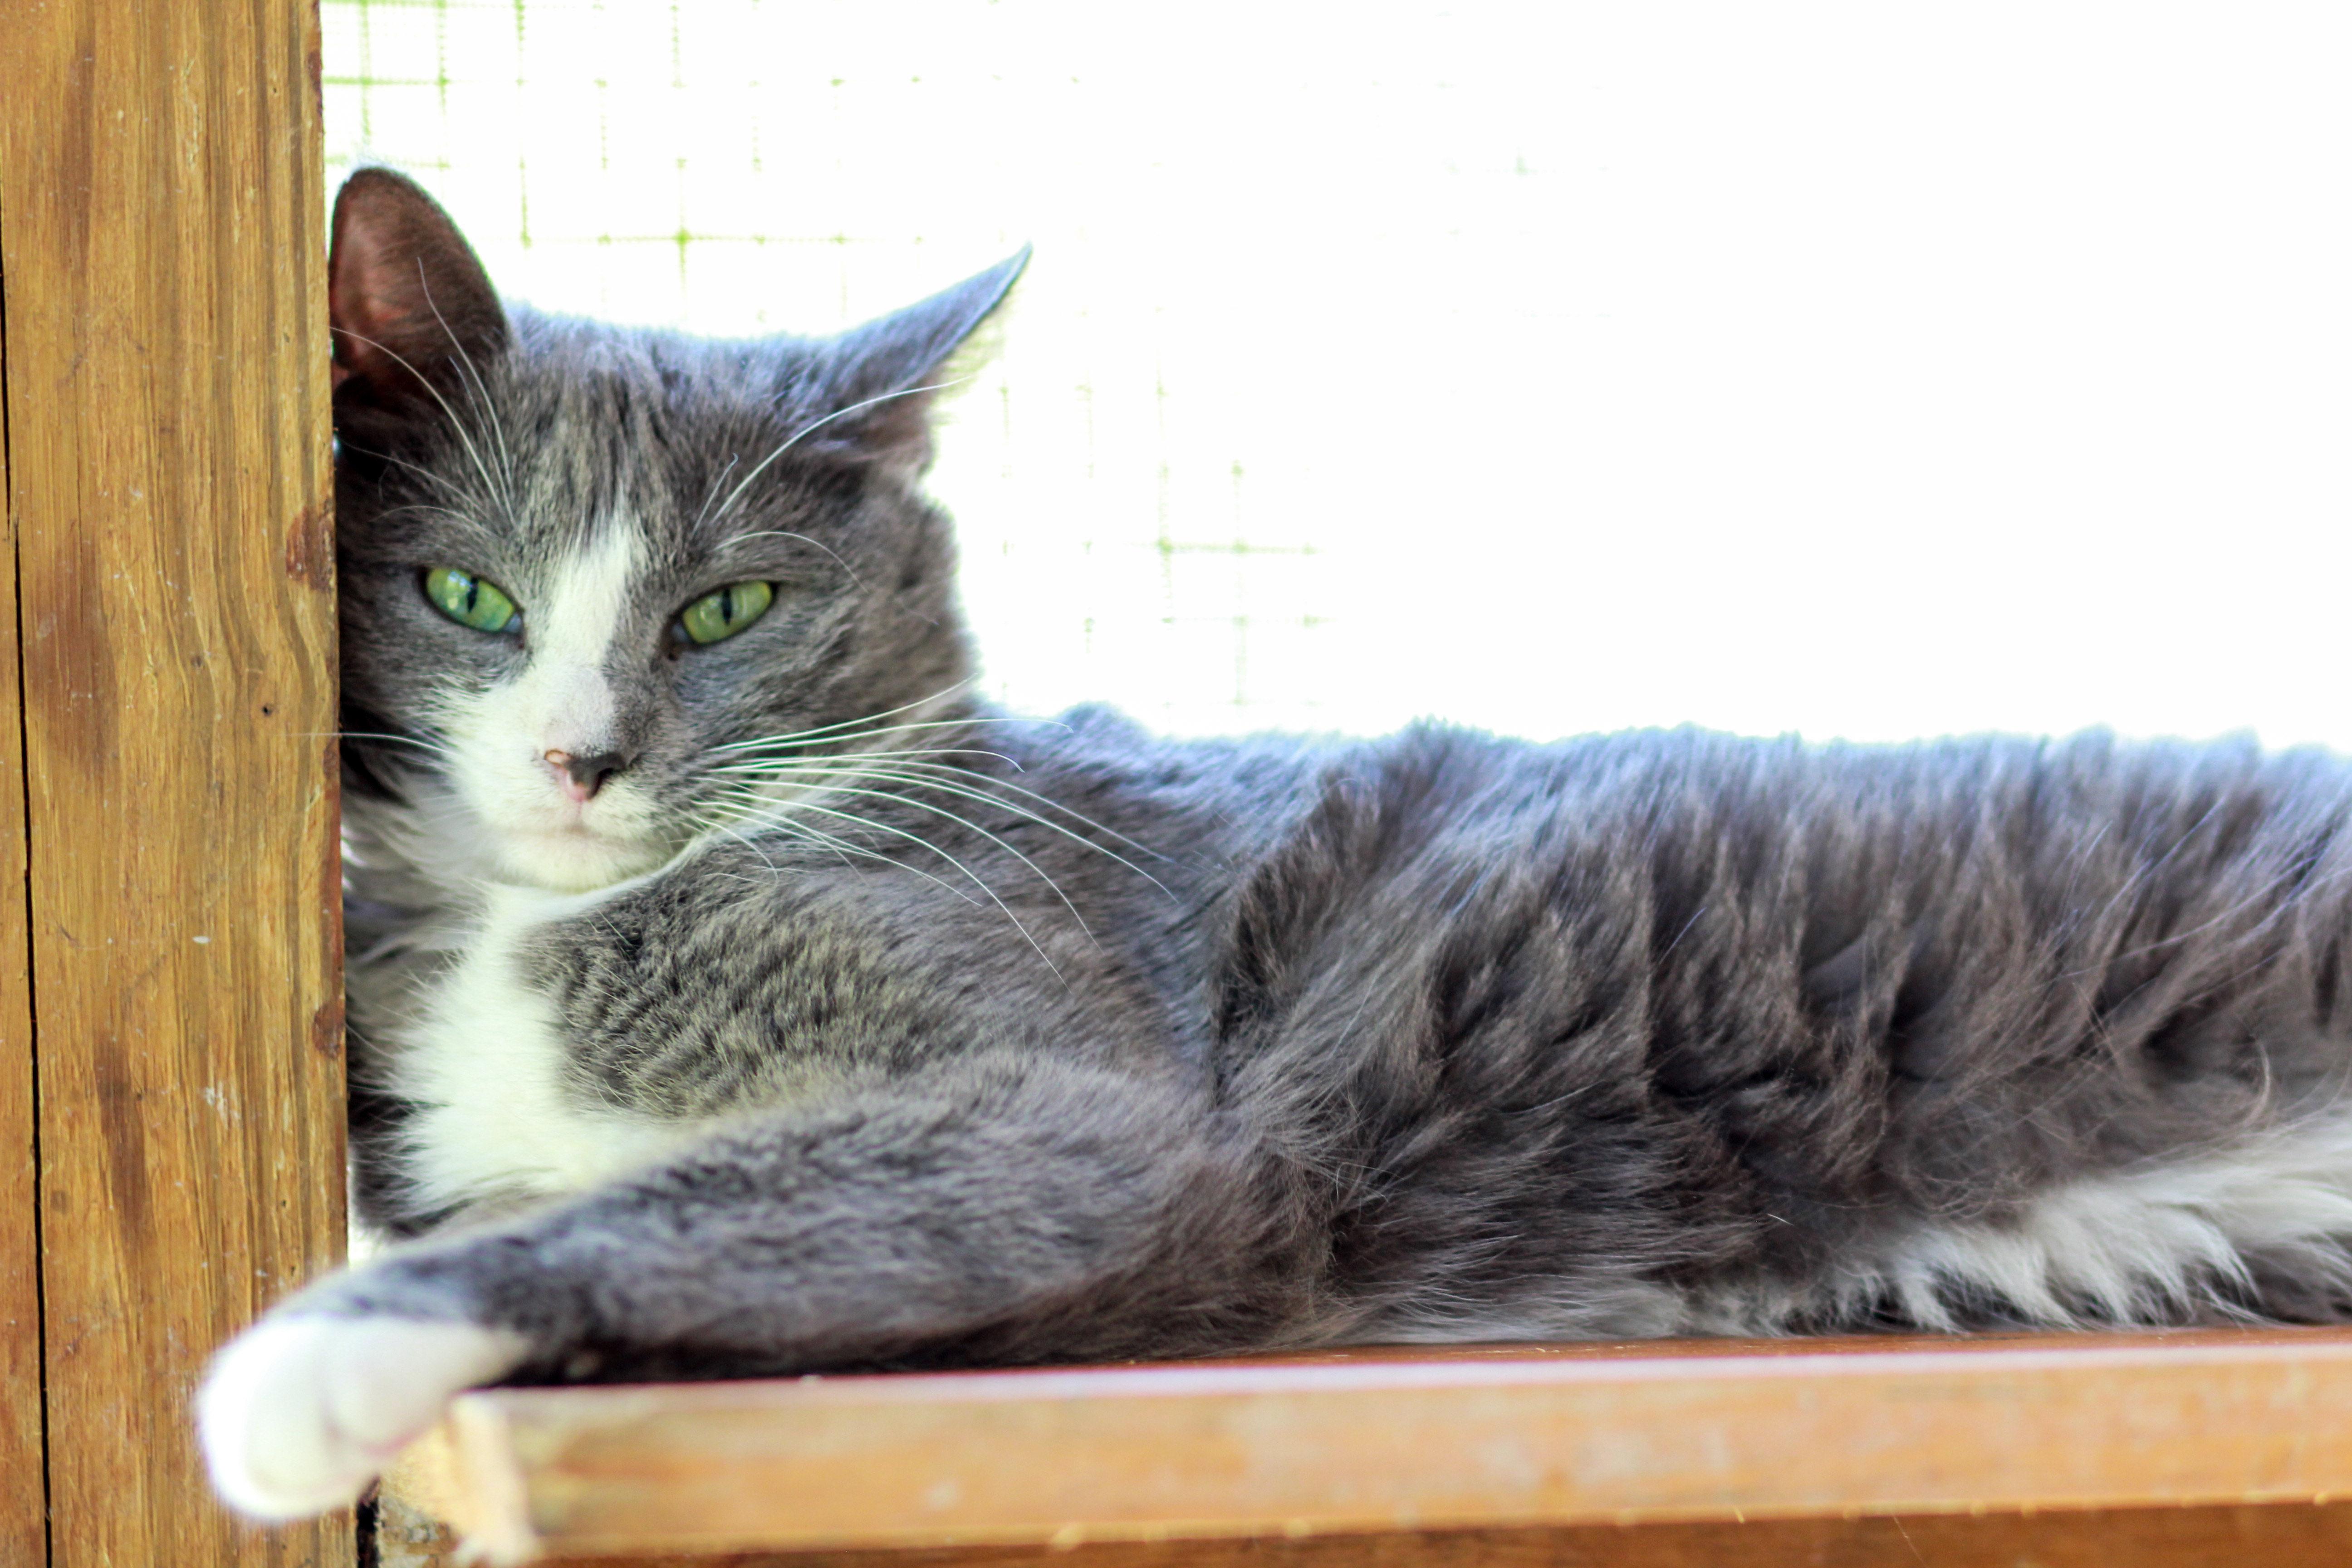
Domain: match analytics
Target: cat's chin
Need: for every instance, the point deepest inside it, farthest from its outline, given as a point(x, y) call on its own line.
point(573, 861)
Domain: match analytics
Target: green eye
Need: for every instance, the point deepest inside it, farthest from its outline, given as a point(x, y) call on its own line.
point(715, 616)
point(470, 601)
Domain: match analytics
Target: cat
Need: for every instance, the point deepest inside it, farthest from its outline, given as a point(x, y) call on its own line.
point(731, 992)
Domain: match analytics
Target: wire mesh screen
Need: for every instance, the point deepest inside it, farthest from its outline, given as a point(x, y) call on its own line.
point(1815, 367)
point(738, 167)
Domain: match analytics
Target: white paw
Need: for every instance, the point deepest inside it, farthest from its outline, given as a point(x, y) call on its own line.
point(300, 1413)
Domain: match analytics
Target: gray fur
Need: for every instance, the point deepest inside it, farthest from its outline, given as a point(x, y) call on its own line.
point(1074, 1043)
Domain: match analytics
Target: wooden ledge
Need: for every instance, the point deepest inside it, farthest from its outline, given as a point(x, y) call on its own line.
point(1478, 1438)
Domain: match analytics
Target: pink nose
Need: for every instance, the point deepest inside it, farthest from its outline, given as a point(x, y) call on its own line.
point(582, 777)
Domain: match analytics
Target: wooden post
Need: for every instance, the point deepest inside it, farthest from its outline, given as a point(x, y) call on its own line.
point(162, 254)
point(23, 1528)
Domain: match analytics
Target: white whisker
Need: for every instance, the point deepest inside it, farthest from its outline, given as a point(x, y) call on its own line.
point(919, 839)
point(491, 490)
point(478, 395)
point(820, 761)
point(712, 494)
point(811, 427)
point(438, 748)
point(957, 782)
point(1077, 816)
point(797, 735)
point(1035, 869)
point(785, 533)
point(842, 847)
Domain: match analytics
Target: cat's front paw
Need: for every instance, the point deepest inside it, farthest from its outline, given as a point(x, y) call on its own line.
point(300, 1411)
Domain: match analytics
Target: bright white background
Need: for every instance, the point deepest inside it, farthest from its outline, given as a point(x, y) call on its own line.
point(1865, 369)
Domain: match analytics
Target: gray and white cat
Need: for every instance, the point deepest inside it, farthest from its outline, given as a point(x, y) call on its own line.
point(732, 993)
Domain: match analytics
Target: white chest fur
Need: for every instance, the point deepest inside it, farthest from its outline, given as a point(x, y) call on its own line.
point(482, 1058)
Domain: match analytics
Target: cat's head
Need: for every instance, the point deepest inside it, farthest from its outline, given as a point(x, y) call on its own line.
point(584, 567)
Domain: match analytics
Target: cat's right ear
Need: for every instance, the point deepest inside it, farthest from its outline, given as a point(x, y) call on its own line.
point(413, 313)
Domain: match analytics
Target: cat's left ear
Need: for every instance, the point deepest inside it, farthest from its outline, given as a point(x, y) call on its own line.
point(880, 379)
point(408, 302)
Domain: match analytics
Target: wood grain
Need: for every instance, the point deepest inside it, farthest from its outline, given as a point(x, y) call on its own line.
point(1712, 1434)
point(2273, 1536)
point(23, 1532)
point(164, 261)
point(2265, 1536)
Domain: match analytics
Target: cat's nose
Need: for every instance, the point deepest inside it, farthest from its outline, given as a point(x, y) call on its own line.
point(583, 777)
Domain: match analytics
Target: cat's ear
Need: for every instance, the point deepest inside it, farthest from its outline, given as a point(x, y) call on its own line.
point(880, 379)
point(408, 302)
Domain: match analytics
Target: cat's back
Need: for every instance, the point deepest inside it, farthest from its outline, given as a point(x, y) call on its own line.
point(1830, 835)
point(1984, 951)
point(1804, 1012)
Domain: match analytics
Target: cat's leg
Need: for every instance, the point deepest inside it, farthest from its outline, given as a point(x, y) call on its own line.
point(996, 1212)
point(299, 1405)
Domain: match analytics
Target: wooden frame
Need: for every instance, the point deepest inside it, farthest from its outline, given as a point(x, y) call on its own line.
point(169, 994)
point(1748, 1452)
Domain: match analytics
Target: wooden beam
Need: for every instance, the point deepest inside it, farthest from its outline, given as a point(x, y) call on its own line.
point(2277, 1535)
point(1521, 1438)
point(24, 1529)
point(164, 267)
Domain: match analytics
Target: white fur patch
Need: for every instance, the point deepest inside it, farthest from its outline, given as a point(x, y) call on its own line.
point(2142, 1246)
point(561, 701)
point(572, 634)
point(298, 1414)
point(498, 1122)
point(2138, 1247)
